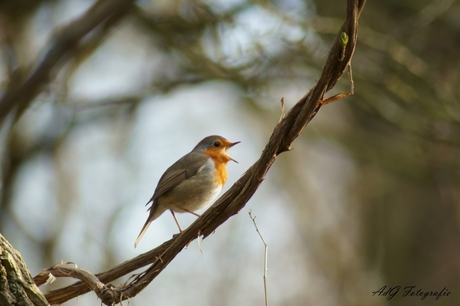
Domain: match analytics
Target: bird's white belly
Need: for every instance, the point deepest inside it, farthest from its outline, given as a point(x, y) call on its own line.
point(197, 192)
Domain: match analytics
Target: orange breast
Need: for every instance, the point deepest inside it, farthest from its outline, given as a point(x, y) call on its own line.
point(220, 161)
point(221, 173)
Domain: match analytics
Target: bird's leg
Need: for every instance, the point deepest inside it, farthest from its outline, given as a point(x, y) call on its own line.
point(177, 222)
point(175, 219)
point(193, 213)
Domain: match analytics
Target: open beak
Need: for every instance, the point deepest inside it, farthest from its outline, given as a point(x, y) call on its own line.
point(231, 145)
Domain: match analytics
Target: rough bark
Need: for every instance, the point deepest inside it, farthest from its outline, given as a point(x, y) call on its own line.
point(16, 284)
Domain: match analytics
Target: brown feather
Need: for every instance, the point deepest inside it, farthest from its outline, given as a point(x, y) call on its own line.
point(183, 169)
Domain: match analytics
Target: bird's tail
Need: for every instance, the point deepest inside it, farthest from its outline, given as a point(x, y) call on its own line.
point(155, 211)
point(144, 229)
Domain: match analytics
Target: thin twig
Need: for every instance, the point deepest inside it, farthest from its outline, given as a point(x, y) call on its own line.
point(342, 94)
point(265, 256)
point(282, 110)
point(350, 78)
point(198, 239)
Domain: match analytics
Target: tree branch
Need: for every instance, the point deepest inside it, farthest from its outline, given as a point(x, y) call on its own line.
point(19, 96)
point(105, 293)
point(16, 284)
point(285, 132)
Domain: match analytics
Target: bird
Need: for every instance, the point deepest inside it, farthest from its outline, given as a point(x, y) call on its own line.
point(192, 182)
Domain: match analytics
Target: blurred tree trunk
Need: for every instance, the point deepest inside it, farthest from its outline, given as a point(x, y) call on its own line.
point(16, 284)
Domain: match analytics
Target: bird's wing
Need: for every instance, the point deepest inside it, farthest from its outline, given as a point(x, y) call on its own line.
point(183, 169)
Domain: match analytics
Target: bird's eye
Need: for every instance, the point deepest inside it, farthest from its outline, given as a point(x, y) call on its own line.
point(216, 144)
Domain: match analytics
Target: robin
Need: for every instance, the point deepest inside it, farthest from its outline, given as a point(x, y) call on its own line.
point(192, 182)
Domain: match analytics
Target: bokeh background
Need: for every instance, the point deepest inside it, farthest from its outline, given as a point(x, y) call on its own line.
point(370, 196)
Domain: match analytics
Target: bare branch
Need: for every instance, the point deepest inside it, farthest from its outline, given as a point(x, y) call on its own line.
point(102, 291)
point(19, 96)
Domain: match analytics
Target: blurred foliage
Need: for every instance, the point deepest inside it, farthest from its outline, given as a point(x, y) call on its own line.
point(400, 205)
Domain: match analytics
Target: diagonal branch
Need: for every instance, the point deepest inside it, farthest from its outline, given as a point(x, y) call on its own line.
point(284, 133)
point(19, 96)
